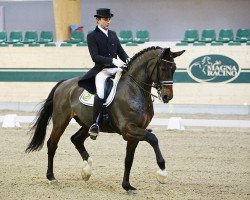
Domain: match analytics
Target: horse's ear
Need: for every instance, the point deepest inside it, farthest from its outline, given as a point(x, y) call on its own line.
point(178, 53)
point(165, 52)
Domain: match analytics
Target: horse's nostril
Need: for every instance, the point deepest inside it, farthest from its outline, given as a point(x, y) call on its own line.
point(166, 98)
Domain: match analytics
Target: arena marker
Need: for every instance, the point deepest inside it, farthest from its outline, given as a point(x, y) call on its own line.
point(175, 123)
point(10, 121)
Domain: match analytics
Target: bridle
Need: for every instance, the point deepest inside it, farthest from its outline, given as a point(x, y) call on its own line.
point(158, 84)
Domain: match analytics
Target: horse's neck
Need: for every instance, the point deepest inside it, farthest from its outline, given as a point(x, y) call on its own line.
point(139, 68)
point(137, 79)
point(136, 85)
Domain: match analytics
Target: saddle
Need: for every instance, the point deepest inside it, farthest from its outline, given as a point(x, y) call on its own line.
point(111, 83)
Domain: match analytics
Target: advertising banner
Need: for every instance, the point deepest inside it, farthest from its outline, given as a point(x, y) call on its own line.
point(214, 65)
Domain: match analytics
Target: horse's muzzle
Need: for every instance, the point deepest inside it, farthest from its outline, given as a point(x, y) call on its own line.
point(166, 98)
point(166, 92)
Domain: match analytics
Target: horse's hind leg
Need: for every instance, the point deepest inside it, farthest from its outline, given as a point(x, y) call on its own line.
point(57, 131)
point(130, 151)
point(78, 140)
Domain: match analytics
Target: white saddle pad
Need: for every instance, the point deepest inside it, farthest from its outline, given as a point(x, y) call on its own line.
point(88, 99)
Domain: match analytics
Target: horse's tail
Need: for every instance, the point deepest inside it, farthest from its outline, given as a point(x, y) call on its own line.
point(40, 125)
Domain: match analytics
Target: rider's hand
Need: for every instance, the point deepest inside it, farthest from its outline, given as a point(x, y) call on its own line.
point(118, 63)
point(128, 60)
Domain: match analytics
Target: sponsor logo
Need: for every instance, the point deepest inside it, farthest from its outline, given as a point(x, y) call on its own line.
point(86, 96)
point(213, 68)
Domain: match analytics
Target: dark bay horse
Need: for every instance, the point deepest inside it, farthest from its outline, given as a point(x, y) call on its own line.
point(130, 112)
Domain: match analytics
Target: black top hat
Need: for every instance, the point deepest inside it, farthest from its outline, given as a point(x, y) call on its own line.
point(103, 13)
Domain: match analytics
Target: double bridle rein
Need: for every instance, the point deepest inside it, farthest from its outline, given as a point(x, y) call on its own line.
point(157, 85)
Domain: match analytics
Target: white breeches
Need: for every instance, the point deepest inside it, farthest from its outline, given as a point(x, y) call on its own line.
point(101, 78)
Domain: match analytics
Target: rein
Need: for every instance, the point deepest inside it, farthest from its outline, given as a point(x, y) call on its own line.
point(138, 84)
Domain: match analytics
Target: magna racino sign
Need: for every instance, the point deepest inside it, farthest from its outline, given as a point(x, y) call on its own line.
point(213, 68)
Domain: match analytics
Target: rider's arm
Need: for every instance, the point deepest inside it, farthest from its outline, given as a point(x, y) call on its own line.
point(120, 51)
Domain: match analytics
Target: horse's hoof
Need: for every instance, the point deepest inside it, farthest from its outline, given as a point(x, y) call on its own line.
point(53, 182)
point(132, 192)
point(85, 176)
point(87, 169)
point(51, 178)
point(130, 189)
point(162, 175)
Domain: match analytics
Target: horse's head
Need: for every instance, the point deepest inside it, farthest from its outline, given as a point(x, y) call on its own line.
point(154, 65)
point(162, 73)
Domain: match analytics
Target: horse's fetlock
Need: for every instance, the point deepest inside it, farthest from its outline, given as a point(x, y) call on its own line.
point(84, 155)
point(161, 164)
point(50, 176)
point(125, 185)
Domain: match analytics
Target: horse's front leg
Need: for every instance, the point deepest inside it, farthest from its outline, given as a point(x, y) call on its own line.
point(135, 133)
point(153, 141)
point(130, 152)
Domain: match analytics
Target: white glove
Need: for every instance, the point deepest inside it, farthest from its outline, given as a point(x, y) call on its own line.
point(118, 63)
point(128, 60)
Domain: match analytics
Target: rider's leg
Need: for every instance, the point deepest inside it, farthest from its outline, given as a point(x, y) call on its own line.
point(112, 71)
point(94, 129)
point(98, 102)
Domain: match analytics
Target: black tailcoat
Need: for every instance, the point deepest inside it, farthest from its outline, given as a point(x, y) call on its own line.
point(102, 50)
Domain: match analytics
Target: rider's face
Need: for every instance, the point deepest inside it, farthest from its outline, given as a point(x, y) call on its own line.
point(103, 22)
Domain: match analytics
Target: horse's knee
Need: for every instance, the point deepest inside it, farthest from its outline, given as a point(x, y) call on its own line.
point(76, 141)
point(151, 139)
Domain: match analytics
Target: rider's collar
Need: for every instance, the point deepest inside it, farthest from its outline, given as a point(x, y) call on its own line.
point(103, 30)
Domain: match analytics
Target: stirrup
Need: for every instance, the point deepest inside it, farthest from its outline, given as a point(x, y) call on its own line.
point(94, 130)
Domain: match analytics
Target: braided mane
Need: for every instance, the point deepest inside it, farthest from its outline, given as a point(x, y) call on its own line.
point(142, 52)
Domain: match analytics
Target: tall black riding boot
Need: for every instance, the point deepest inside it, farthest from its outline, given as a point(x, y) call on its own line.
point(94, 129)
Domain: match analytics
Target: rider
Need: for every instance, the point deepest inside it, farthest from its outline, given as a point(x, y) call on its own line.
point(104, 47)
